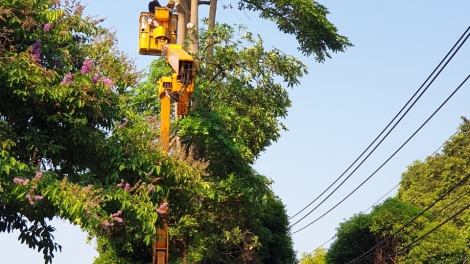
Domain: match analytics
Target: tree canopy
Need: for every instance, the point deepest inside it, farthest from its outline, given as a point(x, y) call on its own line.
point(68, 147)
point(387, 235)
point(399, 231)
point(79, 136)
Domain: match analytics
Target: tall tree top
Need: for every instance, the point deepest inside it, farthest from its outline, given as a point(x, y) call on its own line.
point(306, 20)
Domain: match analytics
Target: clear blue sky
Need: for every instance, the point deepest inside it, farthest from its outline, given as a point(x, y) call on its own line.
point(339, 108)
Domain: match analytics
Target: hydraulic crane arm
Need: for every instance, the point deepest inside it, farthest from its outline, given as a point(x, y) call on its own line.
point(157, 36)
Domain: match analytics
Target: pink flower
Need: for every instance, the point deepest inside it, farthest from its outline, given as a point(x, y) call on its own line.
point(87, 66)
point(162, 208)
point(68, 79)
point(36, 50)
point(127, 187)
point(47, 27)
point(117, 214)
point(107, 81)
point(118, 219)
point(123, 124)
point(95, 78)
point(151, 187)
point(18, 180)
point(106, 223)
point(28, 196)
point(119, 185)
point(38, 197)
point(38, 175)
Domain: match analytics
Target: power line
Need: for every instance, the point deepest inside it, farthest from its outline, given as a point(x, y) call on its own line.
point(451, 189)
point(394, 187)
point(380, 199)
point(386, 161)
point(313, 251)
point(388, 125)
point(432, 230)
point(432, 154)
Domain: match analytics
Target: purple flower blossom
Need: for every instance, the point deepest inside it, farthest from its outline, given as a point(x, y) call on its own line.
point(123, 124)
point(47, 27)
point(28, 196)
point(160, 211)
point(162, 208)
point(18, 180)
point(107, 81)
point(95, 78)
point(118, 219)
point(37, 44)
point(57, 63)
point(127, 187)
point(36, 50)
point(38, 197)
point(87, 66)
point(38, 175)
point(117, 214)
point(68, 79)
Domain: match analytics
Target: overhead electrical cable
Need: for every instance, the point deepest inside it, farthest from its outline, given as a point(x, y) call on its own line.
point(394, 187)
point(390, 123)
point(442, 196)
point(313, 251)
point(386, 161)
point(432, 154)
point(432, 230)
point(380, 199)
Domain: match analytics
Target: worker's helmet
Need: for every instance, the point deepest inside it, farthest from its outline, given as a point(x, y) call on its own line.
point(171, 4)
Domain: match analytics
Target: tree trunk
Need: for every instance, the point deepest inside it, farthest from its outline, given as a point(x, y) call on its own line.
point(211, 26)
point(182, 8)
point(194, 45)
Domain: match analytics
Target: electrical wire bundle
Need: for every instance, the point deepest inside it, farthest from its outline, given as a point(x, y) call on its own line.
point(383, 135)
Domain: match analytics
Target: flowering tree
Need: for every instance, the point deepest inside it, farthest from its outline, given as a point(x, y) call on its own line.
point(79, 140)
point(68, 147)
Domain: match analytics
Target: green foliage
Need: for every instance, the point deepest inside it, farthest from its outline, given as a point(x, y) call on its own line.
point(304, 19)
point(425, 180)
point(379, 229)
point(276, 244)
point(239, 99)
point(353, 238)
point(421, 185)
point(79, 137)
point(446, 245)
point(69, 147)
point(318, 256)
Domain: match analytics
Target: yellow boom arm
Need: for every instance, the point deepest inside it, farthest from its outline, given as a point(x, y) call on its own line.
point(157, 36)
